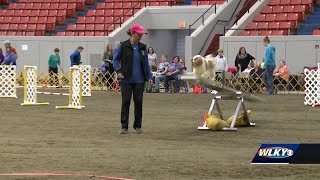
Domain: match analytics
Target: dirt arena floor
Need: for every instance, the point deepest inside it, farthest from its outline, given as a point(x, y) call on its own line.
point(43, 139)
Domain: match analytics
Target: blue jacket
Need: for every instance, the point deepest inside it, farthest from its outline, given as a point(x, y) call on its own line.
point(1, 58)
point(269, 58)
point(10, 57)
point(75, 58)
point(103, 69)
point(137, 62)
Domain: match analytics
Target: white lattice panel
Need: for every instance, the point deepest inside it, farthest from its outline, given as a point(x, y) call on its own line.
point(86, 80)
point(8, 81)
point(30, 85)
point(76, 93)
point(312, 87)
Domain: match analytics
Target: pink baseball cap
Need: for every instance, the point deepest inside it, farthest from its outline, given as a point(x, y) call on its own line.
point(137, 28)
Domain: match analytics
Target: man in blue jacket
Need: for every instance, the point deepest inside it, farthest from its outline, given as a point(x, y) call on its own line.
point(269, 65)
point(132, 66)
point(75, 57)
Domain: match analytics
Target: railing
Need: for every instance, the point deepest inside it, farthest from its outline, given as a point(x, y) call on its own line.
point(264, 29)
point(202, 16)
point(224, 21)
point(246, 7)
point(239, 81)
point(123, 16)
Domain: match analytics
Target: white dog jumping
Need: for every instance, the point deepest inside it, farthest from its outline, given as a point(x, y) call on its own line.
point(204, 66)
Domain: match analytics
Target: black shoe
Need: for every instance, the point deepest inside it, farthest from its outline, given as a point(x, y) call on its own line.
point(156, 91)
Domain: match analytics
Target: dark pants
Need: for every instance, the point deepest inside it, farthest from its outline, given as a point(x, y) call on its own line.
point(53, 72)
point(177, 82)
point(268, 78)
point(127, 89)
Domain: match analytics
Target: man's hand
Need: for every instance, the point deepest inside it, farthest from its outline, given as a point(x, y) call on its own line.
point(120, 76)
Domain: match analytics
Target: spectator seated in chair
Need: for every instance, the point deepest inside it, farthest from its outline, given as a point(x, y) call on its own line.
point(173, 74)
point(162, 70)
point(101, 78)
point(246, 72)
point(281, 74)
point(255, 77)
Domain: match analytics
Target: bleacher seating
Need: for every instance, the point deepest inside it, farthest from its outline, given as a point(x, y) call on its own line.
point(108, 16)
point(37, 16)
point(4, 2)
point(278, 18)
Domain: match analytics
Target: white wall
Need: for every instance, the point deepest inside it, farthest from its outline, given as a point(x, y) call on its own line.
point(163, 42)
point(297, 51)
point(39, 49)
point(152, 18)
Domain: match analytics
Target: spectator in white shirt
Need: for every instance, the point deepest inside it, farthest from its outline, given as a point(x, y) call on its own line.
point(221, 63)
point(152, 59)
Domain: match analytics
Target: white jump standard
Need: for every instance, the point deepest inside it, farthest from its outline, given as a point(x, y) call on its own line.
point(30, 87)
point(8, 86)
point(312, 86)
point(75, 90)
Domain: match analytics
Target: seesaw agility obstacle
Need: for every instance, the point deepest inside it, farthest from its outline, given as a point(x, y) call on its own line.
point(233, 95)
point(75, 88)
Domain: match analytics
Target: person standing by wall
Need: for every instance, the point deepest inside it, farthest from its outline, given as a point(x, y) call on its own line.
point(7, 44)
point(75, 57)
point(221, 64)
point(107, 59)
point(132, 66)
point(269, 64)
point(242, 59)
point(152, 59)
point(10, 58)
point(117, 46)
point(54, 62)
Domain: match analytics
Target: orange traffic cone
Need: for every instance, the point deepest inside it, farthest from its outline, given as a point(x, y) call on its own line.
point(195, 89)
